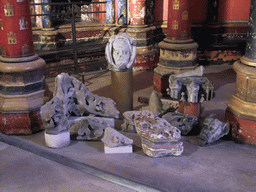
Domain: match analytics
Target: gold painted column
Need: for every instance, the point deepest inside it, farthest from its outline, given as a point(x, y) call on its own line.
point(241, 108)
point(21, 71)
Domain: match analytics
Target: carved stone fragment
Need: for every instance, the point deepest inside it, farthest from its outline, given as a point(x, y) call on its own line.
point(192, 89)
point(113, 138)
point(121, 52)
point(53, 116)
point(90, 127)
point(79, 101)
point(129, 124)
point(212, 130)
point(184, 122)
point(155, 104)
point(159, 138)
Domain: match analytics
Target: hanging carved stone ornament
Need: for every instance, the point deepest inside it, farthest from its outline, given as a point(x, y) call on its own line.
point(8, 10)
point(12, 39)
point(120, 52)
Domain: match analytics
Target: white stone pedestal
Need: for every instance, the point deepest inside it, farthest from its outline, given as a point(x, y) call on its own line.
point(120, 149)
point(57, 141)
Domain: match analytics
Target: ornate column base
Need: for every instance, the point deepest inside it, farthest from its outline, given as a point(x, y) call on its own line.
point(176, 57)
point(21, 94)
point(24, 123)
point(241, 108)
point(147, 55)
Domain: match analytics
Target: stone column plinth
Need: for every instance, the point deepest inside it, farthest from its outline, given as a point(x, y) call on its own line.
point(241, 108)
point(21, 71)
point(178, 50)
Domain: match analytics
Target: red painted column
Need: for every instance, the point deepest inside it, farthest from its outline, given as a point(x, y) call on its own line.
point(178, 24)
point(21, 71)
point(137, 12)
point(17, 35)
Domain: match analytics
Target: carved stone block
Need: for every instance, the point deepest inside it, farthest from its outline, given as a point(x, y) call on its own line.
point(90, 127)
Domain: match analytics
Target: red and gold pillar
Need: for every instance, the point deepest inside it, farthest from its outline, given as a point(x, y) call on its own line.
point(241, 108)
point(178, 50)
point(21, 71)
point(140, 28)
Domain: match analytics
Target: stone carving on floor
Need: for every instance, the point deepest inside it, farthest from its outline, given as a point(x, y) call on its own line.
point(212, 130)
point(191, 89)
point(155, 104)
point(159, 138)
point(91, 127)
point(184, 122)
point(120, 52)
point(113, 138)
point(73, 104)
point(54, 119)
point(79, 101)
point(129, 117)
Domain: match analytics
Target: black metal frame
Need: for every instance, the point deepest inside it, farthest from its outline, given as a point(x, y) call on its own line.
point(73, 21)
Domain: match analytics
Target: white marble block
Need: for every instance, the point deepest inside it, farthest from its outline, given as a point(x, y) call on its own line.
point(120, 149)
point(57, 141)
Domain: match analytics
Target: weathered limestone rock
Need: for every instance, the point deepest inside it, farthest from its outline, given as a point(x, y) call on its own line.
point(113, 138)
point(212, 130)
point(120, 52)
point(155, 104)
point(159, 138)
point(79, 101)
point(184, 122)
point(90, 127)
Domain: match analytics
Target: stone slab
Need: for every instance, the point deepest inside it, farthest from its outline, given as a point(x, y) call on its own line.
point(120, 149)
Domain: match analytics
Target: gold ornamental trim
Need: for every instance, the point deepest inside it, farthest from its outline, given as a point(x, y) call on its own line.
point(242, 109)
point(248, 61)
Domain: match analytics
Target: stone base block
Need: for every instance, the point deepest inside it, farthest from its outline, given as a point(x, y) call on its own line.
point(161, 149)
point(57, 141)
point(243, 130)
point(120, 149)
point(190, 108)
point(160, 84)
point(21, 123)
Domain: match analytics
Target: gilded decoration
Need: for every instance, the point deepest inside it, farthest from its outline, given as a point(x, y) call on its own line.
point(12, 39)
point(25, 50)
point(175, 24)
point(185, 15)
point(1, 25)
point(23, 23)
point(8, 10)
point(184, 34)
point(176, 5)
point(2, 50)
point(133, 1)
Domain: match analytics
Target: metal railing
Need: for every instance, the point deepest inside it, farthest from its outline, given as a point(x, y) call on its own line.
point(64, 12)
